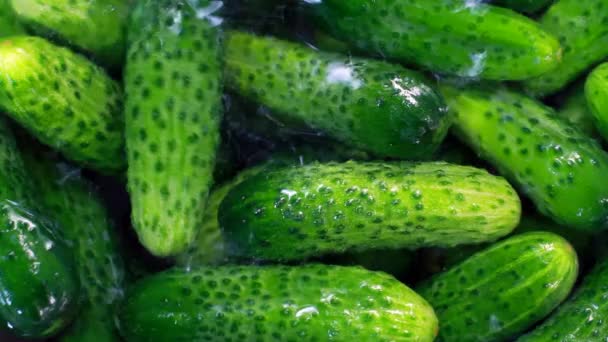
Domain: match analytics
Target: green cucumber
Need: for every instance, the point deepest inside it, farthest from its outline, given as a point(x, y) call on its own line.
point(458, 37)
point(275, 303)
point(558, 167)
point(9, 25)
point(582, 317)
point(524, 6)
point(581, 28)
point(368, 104)
point(299, 212)
point(396, 262)
point(173, 113)
point(74, 204)
point(93, 26)
point(500, 292)
point(577, 113)
point(64, 100)
point(596, 93)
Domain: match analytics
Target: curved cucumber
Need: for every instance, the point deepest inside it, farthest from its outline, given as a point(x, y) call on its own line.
point(596, 93)
point(74, 204)
point(501, 291)
point(582, 317)
point(524, 6)
point(174, 109)
point(581, 28)
point(64, 100)
point(458, 37)
point(94, 26)
point(558, 167)
point(368, 104)
point(278, 303)
point(9, 25)
point(298, 212)
point(577, 113)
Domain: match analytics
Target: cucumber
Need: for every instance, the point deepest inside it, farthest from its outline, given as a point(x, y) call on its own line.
point(581, 28)
point(396, 262)
point(582, 317)
point(64, 100)
point(299, 212)
point(94, 26)
point(458, 37)
point(557, 166)
point(576, 112)
point(74, 204)
point(9, 25)
point(372, 105)
point(596, 93)
point(275, 303)
point(173, 105)
point(524, 6)
point(500, 292)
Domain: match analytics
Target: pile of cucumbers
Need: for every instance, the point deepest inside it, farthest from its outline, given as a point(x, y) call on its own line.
point(304, 170)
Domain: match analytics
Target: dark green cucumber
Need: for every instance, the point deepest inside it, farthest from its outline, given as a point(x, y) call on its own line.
point(275, 303)
point(558, 167)
point(64, 100)
point(596, 94)
point(577, 113)
point(524, 6)
point(581, 28)
point(9, 25)
point(500, 292)
point(368, 104)
point(582, 317)
point(97, 27)
point(74, 204)
point(396, 262)
point(458, 37)
point(173, 106)
point(298, 212)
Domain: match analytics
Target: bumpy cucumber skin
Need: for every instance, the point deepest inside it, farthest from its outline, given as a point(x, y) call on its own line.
point(379, 107)
point(524, 6)
point(298, 212)
point(173, 114)
point(94, 26)
point(582, 317)
point(558, 167)
point(501, 291)
point(64, 100)
point(74, 204)
point(596, 93)
point(577, 113)
point(457, 37)
point(581, 29)
point(9, 25)
point(39, 289)
point(275, 303)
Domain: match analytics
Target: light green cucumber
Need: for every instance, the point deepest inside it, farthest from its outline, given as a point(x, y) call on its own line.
point(275, 303)
point(561, 169)
point(501, 291)
point(97, 27)
point(298, 212)
point(173, 113)
point(64, 100)
point(457, 37)
point(581, 29)
point(368, 104)
point(596, 93)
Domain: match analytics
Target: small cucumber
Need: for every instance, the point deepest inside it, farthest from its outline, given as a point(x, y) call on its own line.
point(576, 112)
point(557, 166)
point(596, 93)
point(458, 37)
point(582, 317)
point(298, 212)
point(64, 100)
point(368, 104)
point(581, 28)
point(524, 6)
point(275, 303)
point(500, 292)
point(9, 25)
point(74, 204)
point(95, 26)
point(173, 105)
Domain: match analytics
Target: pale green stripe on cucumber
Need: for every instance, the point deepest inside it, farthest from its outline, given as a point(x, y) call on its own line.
point(458, 37)
point(275, 303)
point(501, 291)
point(369, 104)
point(558, 167)
point(299, 212)
point(596, 93)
